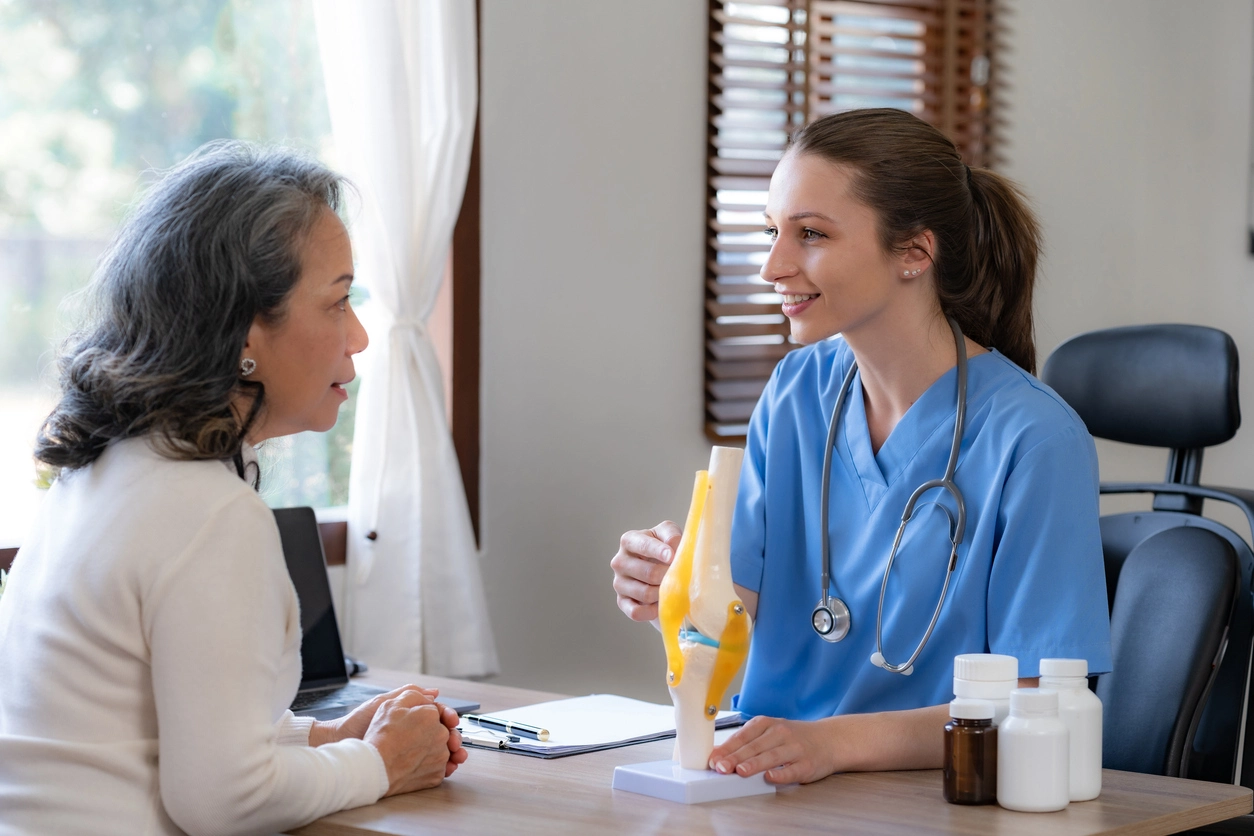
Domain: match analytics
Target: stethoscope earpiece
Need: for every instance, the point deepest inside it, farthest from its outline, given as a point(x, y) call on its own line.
point(877, 659)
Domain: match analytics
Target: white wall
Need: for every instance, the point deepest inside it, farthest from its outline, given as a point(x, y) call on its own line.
point(1129, 127)
point(593, 220)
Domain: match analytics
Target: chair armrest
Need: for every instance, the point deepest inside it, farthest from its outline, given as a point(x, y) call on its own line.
point(1240, 497)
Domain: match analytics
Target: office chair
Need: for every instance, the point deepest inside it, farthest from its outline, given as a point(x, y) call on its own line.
point(1167, 627)
point(1178, 583)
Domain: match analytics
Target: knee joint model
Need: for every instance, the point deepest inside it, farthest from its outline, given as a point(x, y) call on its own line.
point(705, 626)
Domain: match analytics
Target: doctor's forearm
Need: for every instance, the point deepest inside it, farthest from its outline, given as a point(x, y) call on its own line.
point(912, 739)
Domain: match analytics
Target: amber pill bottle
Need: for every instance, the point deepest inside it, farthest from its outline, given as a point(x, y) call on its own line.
point(970, 753)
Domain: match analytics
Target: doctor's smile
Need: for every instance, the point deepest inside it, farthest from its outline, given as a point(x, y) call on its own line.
point(795, 303)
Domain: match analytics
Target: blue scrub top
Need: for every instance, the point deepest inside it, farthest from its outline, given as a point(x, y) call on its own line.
point(1030, 581)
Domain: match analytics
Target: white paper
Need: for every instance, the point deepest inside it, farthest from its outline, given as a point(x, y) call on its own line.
point(592, 722)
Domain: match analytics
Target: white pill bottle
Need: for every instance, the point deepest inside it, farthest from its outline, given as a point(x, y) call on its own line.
point(1081, 712)
point(987, 676)
point(1033, 773)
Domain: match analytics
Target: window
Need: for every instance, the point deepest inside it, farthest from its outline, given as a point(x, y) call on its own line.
point(774, 66)
point(93, 96)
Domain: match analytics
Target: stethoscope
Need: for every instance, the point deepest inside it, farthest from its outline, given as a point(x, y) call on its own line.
point(831, 618)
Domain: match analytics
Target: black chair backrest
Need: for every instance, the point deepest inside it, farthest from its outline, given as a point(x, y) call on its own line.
point(1172, 386)
point(1215, 746)
point(1168, 625)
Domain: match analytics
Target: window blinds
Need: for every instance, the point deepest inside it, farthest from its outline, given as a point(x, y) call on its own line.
point(774, 66)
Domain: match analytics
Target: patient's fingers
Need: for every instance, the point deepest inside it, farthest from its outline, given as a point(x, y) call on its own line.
point(448, 716)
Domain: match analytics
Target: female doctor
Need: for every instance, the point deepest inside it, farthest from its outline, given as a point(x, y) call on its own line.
point(924, 268)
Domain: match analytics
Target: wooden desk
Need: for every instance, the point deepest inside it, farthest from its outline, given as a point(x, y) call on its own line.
point(496, 792)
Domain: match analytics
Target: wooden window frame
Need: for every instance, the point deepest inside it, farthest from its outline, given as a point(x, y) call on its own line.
point(762, 90)
point(467, 305)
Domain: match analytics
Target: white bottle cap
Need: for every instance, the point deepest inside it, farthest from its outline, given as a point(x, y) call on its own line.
point(1034, 702)
point(1000, 690)
point(964, 709)
point(986, 667)
point(1064, 667)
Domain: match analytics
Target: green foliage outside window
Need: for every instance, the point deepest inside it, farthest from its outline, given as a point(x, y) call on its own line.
point(96, 97)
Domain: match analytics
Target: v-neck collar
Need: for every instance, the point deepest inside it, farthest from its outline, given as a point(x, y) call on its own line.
point(933, 412)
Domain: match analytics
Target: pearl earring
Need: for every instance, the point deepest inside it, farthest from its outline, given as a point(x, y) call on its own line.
point(247, 366)
point(909, 274)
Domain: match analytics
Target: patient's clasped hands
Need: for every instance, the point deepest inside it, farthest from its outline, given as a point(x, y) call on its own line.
point(416, 736)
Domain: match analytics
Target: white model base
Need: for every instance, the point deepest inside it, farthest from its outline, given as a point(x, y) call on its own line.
point(670, 781)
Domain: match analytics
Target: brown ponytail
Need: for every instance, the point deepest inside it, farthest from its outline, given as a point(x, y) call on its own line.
point(987, 239)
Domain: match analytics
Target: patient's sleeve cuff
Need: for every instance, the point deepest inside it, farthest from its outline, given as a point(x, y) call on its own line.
point(293, 730)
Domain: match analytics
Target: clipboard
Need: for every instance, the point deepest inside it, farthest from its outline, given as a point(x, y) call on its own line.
point(583, 724)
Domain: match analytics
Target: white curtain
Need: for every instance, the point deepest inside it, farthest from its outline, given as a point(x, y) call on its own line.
point(401, 85)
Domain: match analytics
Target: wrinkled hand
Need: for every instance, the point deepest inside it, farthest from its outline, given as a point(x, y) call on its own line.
point(457, 753)
point(789, 751)
point(355, 723)
point(640, 565)
point(414, 739)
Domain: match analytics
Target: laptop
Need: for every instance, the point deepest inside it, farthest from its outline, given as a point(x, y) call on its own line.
point(325, 692)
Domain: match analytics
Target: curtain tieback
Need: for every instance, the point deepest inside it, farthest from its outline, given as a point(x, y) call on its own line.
point(416, 325)
point(365, 564)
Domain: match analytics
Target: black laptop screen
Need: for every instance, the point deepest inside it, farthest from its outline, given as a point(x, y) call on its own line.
point(321, 655)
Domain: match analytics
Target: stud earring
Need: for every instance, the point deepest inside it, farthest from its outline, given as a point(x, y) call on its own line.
point(909, 274)
point(247, 366)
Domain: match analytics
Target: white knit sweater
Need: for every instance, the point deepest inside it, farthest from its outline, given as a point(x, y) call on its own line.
point(149, 648)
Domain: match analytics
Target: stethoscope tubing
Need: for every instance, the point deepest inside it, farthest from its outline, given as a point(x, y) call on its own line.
point(826, 490)
point(945, 483)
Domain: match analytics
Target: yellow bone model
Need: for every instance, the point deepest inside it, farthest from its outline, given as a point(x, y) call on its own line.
point(705, 627)
point(733, 646)
point(673, 600)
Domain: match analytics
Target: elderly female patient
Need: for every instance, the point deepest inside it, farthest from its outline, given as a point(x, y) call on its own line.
point(149, 637)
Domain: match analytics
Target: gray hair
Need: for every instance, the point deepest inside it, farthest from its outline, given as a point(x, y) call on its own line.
point(213, 245)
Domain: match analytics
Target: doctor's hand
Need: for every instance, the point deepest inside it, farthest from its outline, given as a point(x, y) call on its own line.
point(639, 567)
point(789, 751)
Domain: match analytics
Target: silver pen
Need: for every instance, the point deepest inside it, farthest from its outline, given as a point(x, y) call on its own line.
point(489, 739)
point(509, 726)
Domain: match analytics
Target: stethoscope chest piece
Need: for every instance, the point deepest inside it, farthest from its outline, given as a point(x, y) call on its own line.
point(831, 620)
